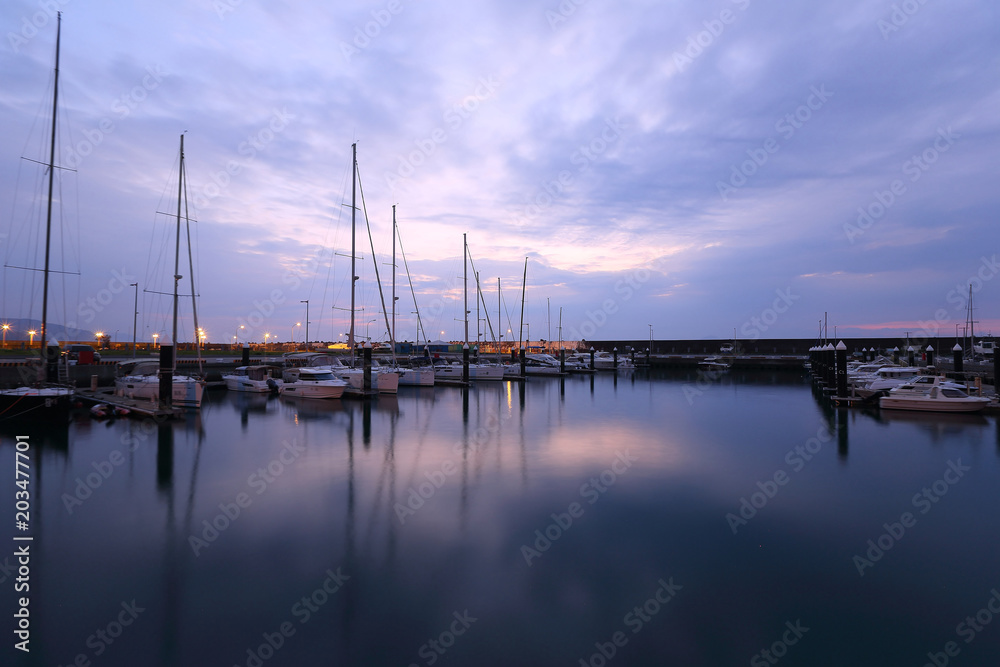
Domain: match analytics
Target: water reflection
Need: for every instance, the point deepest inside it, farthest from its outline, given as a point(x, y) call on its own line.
point(425, 500)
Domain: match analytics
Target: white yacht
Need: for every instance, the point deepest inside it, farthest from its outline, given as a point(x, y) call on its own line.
point(140, 379)
point(255, 379)
point(416, 377)
point(444, 370)
point(314, 382)
point(932, 394)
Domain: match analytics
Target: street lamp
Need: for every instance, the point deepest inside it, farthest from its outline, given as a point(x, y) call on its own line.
point(5, 327)
point(156, 337)
point(266, 336)
point(297, 324)
point(99, 335)
point(32, 333)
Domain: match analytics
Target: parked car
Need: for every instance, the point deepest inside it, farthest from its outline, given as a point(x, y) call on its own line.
point(727, 348)
point(72, 352)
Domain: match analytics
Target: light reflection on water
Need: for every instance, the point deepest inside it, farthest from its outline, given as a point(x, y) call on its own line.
point(429, 503)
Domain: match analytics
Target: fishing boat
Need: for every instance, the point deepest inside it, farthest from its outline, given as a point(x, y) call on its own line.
point(254, 379)
point(931, 394)
point(44, 399)
point(311, 383)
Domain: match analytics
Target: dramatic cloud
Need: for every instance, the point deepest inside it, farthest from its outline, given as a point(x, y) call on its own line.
point(679, 164)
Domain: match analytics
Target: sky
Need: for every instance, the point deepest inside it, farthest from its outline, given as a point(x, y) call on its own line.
point(676, 169)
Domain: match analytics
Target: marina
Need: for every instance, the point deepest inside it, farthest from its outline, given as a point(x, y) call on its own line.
point(545, 510)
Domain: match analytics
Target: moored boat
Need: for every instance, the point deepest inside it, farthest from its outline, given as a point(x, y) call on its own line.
point(932, 394)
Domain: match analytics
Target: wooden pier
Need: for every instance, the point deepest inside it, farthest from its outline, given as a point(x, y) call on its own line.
point(133, 405)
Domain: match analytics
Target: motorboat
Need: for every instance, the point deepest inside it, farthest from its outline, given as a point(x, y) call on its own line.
point(714, 365)
point(416, 377)
point(445, 370)
point(141, 379)
point(883, 380)
point(534, 364)
point(311, 382)
point(932, 394)
point(254, 379)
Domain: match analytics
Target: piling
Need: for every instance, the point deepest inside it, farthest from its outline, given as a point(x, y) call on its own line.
point(167, 375)
point(465, 364)
point(956, 355)
point(246, 355)
point(895, 355)
point(368, 368)
point(930, 355)
point(911, 356)
point(562, 360)
point(615, 357)
point(591, 357)
point(93, 383)
point(841, 360)
point(524, 361)
point(831, 366)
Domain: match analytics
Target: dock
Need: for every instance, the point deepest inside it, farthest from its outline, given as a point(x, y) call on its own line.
point(135, 405)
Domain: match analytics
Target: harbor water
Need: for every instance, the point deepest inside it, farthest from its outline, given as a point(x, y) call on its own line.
point(594, 520)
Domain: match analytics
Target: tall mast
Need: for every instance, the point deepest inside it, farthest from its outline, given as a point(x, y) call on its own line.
point(465, 277)
point(479, 296)
point(524, 281)
point(354, 212)
point(48, 215)
point(194, 301)
point(392, 332)
point(499, 319)
point(177, 250)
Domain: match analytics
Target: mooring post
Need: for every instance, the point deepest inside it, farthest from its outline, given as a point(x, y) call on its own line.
point(841, 370)
point(166, 395)
point(911, 356)
point(930, 355)
point(895, 355)
point(591, 357)
point(524, 361)
point(465, 363)
point(615, 356)
point(246, 355)
point(368, 367)
point(562, 360)
point(956, 355)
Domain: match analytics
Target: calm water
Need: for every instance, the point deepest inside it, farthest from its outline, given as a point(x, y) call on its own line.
point(527, 525)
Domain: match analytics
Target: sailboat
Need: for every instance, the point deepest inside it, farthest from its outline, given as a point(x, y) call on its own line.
point(44, 400)
point(140, 379)
point(385, 380)
point(454, 371)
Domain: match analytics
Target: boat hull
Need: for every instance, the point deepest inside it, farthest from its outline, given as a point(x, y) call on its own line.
point(926, 404)
point(43, 404)
point(321, 389)
point(187, 391)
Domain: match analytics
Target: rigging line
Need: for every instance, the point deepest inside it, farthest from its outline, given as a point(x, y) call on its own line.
point(482, 300)
point(413, 292)
point(371, 242)
point(194, 301)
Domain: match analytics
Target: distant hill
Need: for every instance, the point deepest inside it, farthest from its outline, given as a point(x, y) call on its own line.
point(19, 329)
